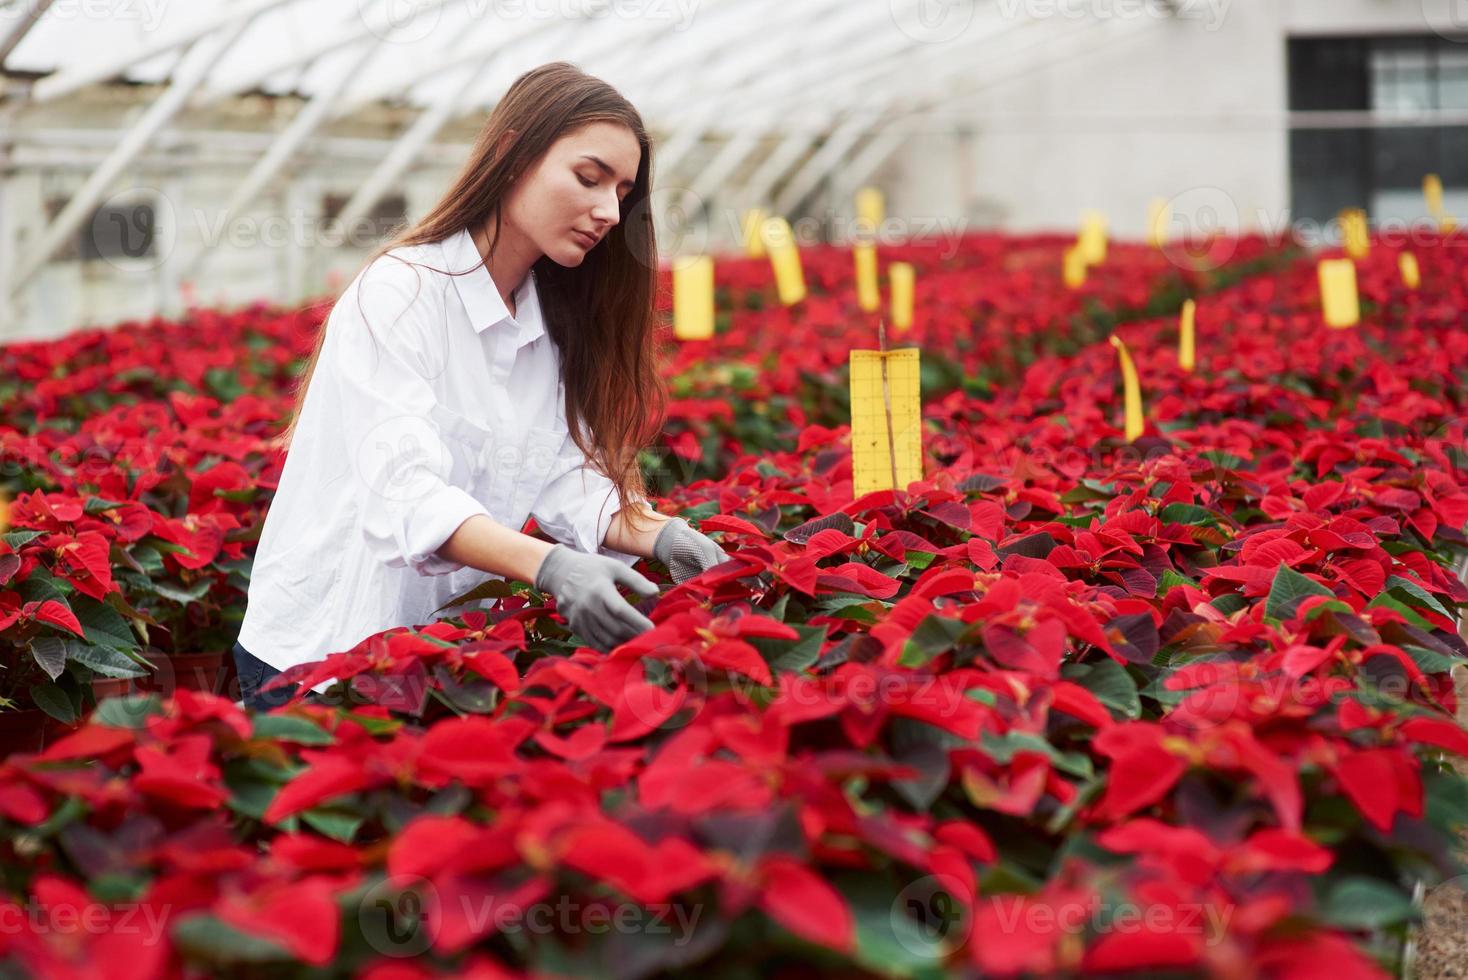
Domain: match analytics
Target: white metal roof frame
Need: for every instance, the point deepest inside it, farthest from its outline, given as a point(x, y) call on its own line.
point(836, 73)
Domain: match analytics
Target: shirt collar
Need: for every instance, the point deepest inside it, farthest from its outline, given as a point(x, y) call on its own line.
point(481, 297)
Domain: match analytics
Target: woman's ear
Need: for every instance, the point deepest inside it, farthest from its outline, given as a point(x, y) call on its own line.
point(502, 146)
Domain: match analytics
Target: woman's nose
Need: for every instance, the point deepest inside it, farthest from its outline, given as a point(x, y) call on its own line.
point(608, 210)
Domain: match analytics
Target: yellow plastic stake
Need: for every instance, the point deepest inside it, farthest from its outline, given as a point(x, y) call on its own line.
point(785, 259)
point(1187, 351)
point(1131, 390)
point(1338, 297)
point(1075, 268)
point(1432, 190)
point(868, 294)
point(751, 229)
point(1356, 233)
point(886, 420)
point(871, 209)
point(4, 513)
point(1093, 237)
point(1411, 271)
point(902, 280)
point(1157, 216)
point(693, 297)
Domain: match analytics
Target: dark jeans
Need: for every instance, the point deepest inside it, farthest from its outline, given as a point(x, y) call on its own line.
point(254, 672)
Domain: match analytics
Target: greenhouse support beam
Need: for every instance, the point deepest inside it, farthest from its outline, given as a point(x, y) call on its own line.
point(206, 53)
point(285, 146)
point(69, 80)
point(471, 54)
point(378, 26)
point(11, 37)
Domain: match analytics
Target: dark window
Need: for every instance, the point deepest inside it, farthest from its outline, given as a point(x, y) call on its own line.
point(387, 214)
point(124, 231)
point(1335, 168)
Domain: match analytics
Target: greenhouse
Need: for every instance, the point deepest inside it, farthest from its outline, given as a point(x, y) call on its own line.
point(656, 488)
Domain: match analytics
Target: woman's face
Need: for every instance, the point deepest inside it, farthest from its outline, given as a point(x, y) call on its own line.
point(572, 198)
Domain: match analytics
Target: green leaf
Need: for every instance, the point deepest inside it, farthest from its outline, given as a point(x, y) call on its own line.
point(494, 588)
point(1172, 579)
point(51, 699)
point(128, 711)
point(1402, 588)
point(19, 539)
point(102, 625)
point(1189, 514)
point(104, 661)
point(1289, 588)
point(193, 593)
point(1002, 749)
point(40, 586)
point(1359, 902)
point(933, 636)
point(907, 935)
point(206, 938)
point(1410, 614)
point(792, 656)
point(1431, 661)
point(49, 652)
point(1228, 603)
point(291, 729)
point(1111, 684)
point(335, 822)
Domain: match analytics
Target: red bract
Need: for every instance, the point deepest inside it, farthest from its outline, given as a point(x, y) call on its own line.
point(1210, 668)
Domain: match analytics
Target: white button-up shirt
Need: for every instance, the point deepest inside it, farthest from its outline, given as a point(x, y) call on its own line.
point(429, 404)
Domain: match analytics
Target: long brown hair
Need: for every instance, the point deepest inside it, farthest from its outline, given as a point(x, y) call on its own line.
point(600, 313)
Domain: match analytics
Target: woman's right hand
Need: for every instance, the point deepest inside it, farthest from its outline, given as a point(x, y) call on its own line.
point(585, 587)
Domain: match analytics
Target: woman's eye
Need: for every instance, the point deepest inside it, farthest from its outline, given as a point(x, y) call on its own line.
point(585, 182)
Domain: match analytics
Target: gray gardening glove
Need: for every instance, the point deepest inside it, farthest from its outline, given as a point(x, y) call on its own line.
point(685, 551)
point(585, 587)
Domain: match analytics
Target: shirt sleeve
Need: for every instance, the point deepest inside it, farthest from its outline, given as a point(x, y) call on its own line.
point(578, 503)
point(383, 357)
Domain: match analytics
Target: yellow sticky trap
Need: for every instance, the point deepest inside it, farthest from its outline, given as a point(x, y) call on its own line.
point(871, 208)
point(1432, 191)
point(1131, 390)
point(693, 297)
point(1355, 233)
point(1075, 268)
point(1187, 351)
point(1411, 271)
point(751, 229)
point(1157, 223)
point(1092, 240)
point(4, 514)
point(868, 294)
point(785, 259)
point(886, 420)
point(902, 280)
point(1338, 297)
point(1447, 224)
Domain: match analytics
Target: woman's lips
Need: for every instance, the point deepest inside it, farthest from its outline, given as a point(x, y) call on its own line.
point(584, 238)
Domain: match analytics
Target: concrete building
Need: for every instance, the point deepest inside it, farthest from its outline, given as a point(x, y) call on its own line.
point(193, 165)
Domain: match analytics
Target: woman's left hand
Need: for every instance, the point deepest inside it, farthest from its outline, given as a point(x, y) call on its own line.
point(685, 551)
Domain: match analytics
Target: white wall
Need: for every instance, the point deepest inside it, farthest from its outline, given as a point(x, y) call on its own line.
point(1191, 108)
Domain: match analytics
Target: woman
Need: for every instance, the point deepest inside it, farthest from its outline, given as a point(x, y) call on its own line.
point(495, 361)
